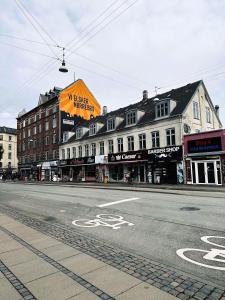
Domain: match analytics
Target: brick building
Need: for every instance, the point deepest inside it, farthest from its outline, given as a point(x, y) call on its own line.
point(38, 138)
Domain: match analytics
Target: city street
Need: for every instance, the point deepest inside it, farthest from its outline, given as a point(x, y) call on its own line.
point(156, 224)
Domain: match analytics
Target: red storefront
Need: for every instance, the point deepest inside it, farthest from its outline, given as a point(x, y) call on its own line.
point(204, 155)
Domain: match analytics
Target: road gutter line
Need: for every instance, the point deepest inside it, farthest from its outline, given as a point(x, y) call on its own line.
point(116, 202)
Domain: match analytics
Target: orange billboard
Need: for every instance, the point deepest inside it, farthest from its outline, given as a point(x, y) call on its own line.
point(77, 100)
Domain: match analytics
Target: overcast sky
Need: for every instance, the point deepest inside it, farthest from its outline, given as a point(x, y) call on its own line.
point(152, 43)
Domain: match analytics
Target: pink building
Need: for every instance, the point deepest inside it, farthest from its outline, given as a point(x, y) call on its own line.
point(204, 155)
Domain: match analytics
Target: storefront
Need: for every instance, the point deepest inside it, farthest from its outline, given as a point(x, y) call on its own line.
point(165, 165)
point(205, 158)
point(120, 165)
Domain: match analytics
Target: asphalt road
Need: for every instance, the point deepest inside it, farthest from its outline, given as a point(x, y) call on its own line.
point(161, 223)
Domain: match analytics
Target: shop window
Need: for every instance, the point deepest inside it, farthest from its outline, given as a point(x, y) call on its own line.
point(86, 150)
point(120, 144)
point(93, 149)
point(74, 152)
point(130, 141)
point(111, 124)
point(93, 129)
point(80, 151)
point(131, 118)
point(116, 173)
point(162, 109)
point(68, 153)
point(63, 153)
point(142, 141)
point(208, 115)
point(102, 148)
point(196, 110)
point(110, 144)
point(155, 139)
point(170, 137)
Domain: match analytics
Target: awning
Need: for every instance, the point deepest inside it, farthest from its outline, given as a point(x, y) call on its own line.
point(127, 162)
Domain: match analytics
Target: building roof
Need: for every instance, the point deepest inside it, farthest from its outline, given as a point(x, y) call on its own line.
point(181, 96)
point(7, 130)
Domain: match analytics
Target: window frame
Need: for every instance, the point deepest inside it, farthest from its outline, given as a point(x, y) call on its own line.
point(110, 146)
point(171, 136)
point(131, 118)
point(130, 143)
point(142, 141)
point(162, 109)
point(120, 144)
point(102, 147)
point(111, 124)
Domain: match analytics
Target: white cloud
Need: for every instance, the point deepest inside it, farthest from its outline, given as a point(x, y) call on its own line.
point(160, 43)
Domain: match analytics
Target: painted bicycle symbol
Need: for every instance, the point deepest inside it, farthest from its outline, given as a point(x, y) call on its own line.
point(107, 220)
point(213, 255)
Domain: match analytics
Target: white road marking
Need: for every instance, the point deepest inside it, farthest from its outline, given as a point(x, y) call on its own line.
point(116, 202)
point(62, 210)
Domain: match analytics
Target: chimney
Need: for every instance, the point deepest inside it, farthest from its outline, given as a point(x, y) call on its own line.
point(217, 109)
point(104, 110)
point(145, 95)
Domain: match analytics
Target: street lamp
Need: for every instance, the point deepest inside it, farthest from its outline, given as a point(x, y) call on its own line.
point(63, 68)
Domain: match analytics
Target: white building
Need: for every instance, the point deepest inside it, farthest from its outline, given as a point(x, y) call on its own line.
point(145, 138)
point(8, 142)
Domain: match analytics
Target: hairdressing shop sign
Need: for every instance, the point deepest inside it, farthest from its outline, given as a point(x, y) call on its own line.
point(166, 153)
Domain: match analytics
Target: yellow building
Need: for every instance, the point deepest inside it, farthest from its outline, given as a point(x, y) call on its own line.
point(8, 142)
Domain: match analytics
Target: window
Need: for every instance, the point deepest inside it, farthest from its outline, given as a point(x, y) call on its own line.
point(102, 150)
point(46, 155)
point(63, 153)
point(79, 132)
point(162, 109)
point(35, 130)
point(10, 147)
point(120, 144)
point(93, 149)
point(111, 124)
point(10, 138)
point(208, 115)
point(196, 111)
point(34, 144)
point(92, 129)
point(47, 140)
point(39, 128)
point(110, 143)
point(170, 137)
point(54, 109)
point(155, 139)
point(46, 112)
point(68, 153)
point(54, 122)
point(54, 138)
point(46, 125)
point(1, 137)
point(9, 155)
point(86, 150)
point(28, 132)
point(74, 152)
point(142, 141)
point(130, 140)
point(80, 151)
point(131, 118)
point(54, 154)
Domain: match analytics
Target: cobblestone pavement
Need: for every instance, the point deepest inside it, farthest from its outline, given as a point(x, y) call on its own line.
point(163, 277)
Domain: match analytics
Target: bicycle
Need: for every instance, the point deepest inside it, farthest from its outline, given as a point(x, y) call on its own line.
point(106, 220)
point(211, 255)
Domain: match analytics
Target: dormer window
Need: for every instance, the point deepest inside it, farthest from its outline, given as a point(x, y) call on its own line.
point(79, 132)
point(93, 129)
point(111, 124)
point(131, 117)
point(162, 109)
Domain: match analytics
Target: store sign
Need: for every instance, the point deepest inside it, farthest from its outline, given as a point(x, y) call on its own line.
point(81, 160)
point(101, 159)
point(128, 156)
point(205, 145)
point(68, 122)
point(166, 153)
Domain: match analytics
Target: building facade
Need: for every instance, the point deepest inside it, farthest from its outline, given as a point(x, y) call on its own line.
point(205, 157)
point(145, 138)
point(38, 138)
point(8, 143)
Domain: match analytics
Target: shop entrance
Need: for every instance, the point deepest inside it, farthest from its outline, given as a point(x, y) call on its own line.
point(206, 172)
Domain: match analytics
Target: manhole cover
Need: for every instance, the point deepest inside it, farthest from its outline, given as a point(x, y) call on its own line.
point(49, 219)
point(191, 208)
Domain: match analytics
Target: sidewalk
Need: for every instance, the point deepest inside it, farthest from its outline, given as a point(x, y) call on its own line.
point(36, 266)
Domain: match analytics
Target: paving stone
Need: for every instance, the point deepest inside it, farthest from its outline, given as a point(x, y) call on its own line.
point(17, 256)
point(7, 291)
